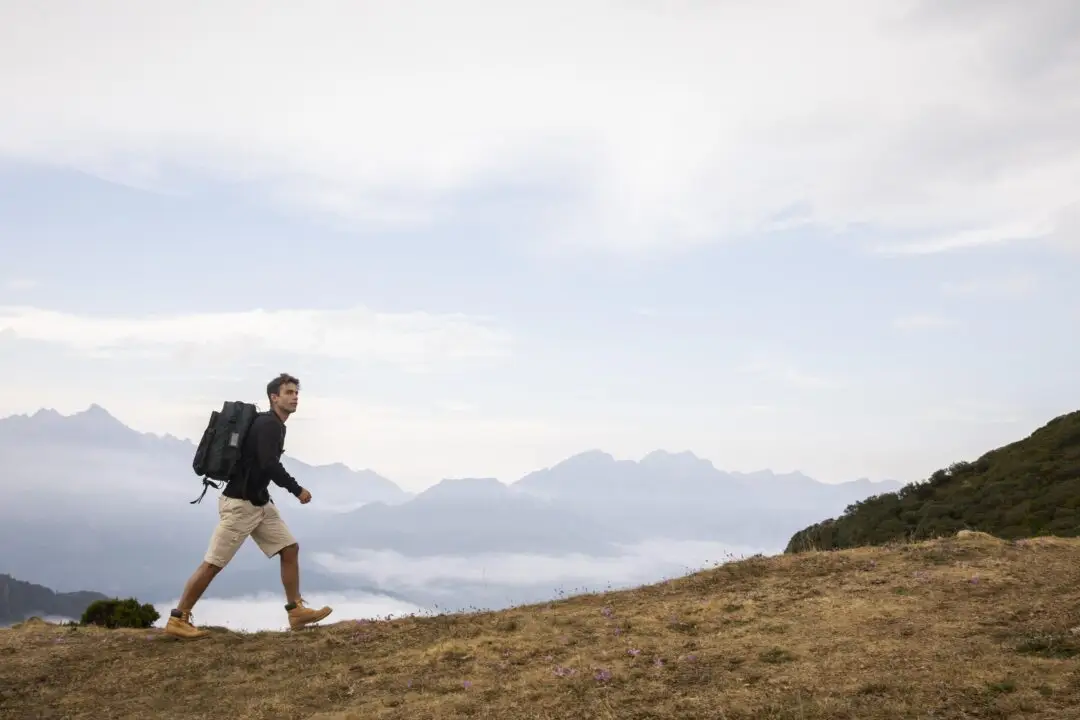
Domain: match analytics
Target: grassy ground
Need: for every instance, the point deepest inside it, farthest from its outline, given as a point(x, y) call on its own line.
point(966, 627)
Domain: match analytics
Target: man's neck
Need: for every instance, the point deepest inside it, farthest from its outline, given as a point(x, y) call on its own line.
point(281, 415)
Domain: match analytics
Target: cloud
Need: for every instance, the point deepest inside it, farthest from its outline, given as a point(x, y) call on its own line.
point(648, 561)
point(18, 284)
point(925, 321)
point(415, 341)
point(938, 125)
point(975, 238)
point(1066, 235)
point(972, 414)
point(789, 374)
point(1015, 284)
point(253, 613)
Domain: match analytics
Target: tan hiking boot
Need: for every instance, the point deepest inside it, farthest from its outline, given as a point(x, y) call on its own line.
point(179, 626)
point(300, 615)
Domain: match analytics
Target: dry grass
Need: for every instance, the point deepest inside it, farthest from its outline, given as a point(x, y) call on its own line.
point(967, 627)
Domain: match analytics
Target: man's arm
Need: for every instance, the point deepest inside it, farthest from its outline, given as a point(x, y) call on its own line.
point(266, 460)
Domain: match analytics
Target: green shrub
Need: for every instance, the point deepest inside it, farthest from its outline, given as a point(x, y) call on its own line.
point(116, 613)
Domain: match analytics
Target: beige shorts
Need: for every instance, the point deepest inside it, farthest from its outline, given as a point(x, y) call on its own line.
point(240, 519)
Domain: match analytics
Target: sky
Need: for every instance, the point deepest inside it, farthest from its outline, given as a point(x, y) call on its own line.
point(836, 237)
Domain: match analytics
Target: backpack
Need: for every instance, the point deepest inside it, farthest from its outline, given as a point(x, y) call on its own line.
point(218, 452)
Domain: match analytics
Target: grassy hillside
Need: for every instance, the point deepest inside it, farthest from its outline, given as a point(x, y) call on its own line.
point(961, 627)
point(19, 600)
point(1028, 488)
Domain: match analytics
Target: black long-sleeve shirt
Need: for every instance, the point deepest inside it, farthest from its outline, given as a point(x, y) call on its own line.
point(260, 462)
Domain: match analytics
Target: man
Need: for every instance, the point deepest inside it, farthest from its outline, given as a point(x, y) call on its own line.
point(245, 508)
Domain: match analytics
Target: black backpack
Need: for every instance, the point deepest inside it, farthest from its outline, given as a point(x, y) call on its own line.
point(219, 450)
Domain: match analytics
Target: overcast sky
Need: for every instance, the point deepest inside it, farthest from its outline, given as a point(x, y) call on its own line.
point(839, 236)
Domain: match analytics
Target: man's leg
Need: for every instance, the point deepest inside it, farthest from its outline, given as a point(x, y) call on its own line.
point(290, 572)
point(273, 538)
point(237, 518)
point(196, 585)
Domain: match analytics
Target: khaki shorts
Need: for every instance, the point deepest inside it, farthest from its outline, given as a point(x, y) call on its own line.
point(240, 519)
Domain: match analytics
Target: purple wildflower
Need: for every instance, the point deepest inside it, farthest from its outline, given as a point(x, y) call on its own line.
point(602, 675)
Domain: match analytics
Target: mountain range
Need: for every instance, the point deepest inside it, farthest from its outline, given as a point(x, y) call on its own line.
point(92, 503)
point(21, 600)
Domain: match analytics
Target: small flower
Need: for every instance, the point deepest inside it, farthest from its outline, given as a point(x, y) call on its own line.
point(607, 612)
point(467, 684)
point(633, 651)
point(602, 675)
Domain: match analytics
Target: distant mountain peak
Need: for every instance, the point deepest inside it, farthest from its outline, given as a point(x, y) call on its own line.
point(588, 457)
point(488, 482)
point(464, 488)
point(666, 458)
point(96, 413)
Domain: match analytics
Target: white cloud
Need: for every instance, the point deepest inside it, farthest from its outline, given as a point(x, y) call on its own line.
point(1014, 284)
point(1066, 234)
point(973, 414)
point(974, 238)
point(938, 125)
point(647, 561)
point(789, 374)
point(19, 284)
point(644, 562)
point(266, 611)
point(415, 341)
point(923, 321)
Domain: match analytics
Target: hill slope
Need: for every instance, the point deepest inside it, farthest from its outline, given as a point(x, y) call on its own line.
point(1027, 488)
point(963, 627)
point(19, 600)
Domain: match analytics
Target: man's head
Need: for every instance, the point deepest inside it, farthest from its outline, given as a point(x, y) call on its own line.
point(283, 393)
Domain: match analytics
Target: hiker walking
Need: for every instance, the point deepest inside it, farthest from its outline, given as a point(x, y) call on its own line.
point(245, 507)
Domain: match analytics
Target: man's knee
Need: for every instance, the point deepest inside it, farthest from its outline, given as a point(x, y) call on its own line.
point(210, 568)
point(289, 551)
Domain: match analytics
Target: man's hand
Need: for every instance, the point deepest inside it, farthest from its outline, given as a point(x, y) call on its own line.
point(304, 496)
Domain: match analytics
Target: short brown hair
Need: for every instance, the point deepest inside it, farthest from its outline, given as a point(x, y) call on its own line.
point(274, 386)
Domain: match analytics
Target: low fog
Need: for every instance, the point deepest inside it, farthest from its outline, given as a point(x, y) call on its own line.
point(641, 562)
point(266, 611)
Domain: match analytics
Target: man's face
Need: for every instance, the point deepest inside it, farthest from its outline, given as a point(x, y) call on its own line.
point(286, 399)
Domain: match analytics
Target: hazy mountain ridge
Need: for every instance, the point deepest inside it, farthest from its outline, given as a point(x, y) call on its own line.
point(85, 487)
point(97, 428)
point(20, 600)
